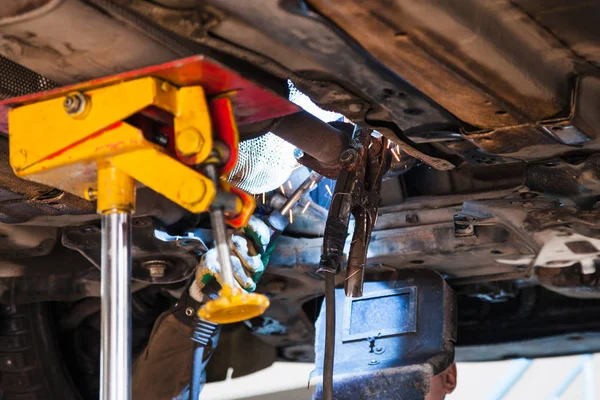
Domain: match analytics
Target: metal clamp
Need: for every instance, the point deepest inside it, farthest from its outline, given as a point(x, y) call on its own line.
point(356, 193)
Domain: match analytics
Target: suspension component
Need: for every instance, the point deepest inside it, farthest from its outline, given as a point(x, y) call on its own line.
point(153, 126)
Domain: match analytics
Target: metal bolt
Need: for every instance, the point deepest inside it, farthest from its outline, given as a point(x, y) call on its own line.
point(156, 268)
point(75, 104)
point(355, 107)
point(192, 191)
point(373, 362)
point(348, 158)
point(189, 141)
point(189, 311)
point(91, 194)
point(463, 226)
point(379, 350)
point(156, 271)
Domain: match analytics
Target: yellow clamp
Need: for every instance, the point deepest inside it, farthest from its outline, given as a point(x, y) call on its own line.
point(66, 142)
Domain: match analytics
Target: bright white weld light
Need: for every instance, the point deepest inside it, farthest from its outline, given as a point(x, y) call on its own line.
point(396, 156)
point(328, 190)
point(291, 217)
point(282, 190)
point(264, 198)
point(290, 184)
point(305, 207)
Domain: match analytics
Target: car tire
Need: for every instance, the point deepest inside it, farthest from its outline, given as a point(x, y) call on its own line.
point(31, 364)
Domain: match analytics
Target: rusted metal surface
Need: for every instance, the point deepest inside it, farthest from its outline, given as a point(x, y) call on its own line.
point(570, 282)
point(15, 8)
point(482, 61)
point(577, 179)
point(89, 45)
point(321, 141)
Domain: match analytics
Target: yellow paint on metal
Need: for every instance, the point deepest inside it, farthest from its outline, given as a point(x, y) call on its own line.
point(116, 190)
point(189, 141)
point(233, 305)
point(44, 128)
point(192, 115)
point(49, 146)
point(167, 176)
point(74, 169)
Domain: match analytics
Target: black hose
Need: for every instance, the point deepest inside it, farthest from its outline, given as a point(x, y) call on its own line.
point(329, 336)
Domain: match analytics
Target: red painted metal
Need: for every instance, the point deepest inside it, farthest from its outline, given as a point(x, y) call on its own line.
point(251, 103)
point(225, 129)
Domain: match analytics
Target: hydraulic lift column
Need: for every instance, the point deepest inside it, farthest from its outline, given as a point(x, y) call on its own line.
point(116, 198)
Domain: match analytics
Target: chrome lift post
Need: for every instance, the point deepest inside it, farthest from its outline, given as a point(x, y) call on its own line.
point(116, 199)
point(115, 368)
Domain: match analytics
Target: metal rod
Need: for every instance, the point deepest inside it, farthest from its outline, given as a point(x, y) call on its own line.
point(115, 364)
point(313, 179)
point(217, 219)
point(357, 257)
point(279, 219)
point(329, 352)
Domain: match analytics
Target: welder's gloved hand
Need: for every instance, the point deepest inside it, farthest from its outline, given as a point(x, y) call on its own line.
point(247, 255)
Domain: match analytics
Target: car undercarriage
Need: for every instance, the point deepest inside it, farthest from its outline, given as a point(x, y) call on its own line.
point(485, 111)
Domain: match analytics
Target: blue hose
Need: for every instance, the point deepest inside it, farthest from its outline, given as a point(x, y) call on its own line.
point(204, 334)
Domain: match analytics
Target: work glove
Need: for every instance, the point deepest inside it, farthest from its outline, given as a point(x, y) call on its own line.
point(248, 256)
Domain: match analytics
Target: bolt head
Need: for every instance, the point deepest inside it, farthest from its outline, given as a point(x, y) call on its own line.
point(90, 194)
point(75, 104)
point(189, 141)
point(192, 191)
point(355, 107)
point(349, 158)
point(157, 271)
point(164, 87)
point(189, 311)
point(156, 268)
